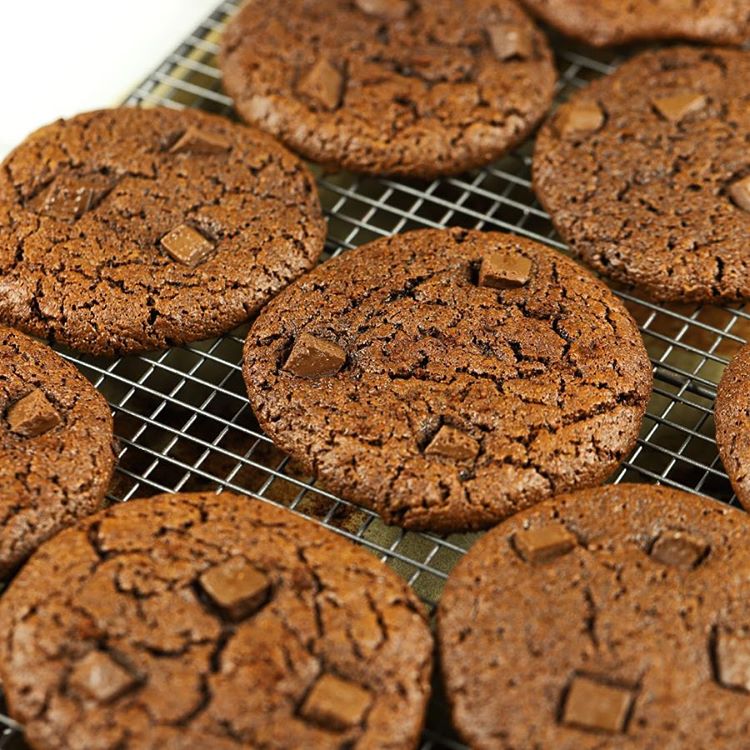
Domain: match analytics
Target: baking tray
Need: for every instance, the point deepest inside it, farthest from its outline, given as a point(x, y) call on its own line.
point(182, 417)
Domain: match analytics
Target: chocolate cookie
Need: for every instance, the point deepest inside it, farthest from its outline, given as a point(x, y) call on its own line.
point(447, 379)
point(732, 417)
point(126, 230)
point(646, 173)
point(56, 457)
point(212, 621)
point(608, 22)
point(614, 618)
point(405, 87)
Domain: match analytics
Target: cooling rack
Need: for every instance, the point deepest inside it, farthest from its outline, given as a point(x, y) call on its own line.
point(182, 417)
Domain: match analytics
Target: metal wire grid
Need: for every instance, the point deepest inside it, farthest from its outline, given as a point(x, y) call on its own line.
point(182, 416)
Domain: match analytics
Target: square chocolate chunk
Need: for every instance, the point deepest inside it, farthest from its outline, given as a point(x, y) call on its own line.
point(580, 118)
point(66, 202)
point(510, 41)
point(195, 141)
point(323, 83)
point(740, 192)
point(453, 443)
point(187, 245)
point(596, 706)
point(99, 677)
point(504, 271)
point(69, 198)
point(335, 704)
point(313, 357)
point(545, 543)
point(679, 548)
point(32, 415)
point(236, 588)
point(733, 660)
point(676, 108)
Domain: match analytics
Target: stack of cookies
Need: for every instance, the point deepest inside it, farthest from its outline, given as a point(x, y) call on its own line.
point(449, 380)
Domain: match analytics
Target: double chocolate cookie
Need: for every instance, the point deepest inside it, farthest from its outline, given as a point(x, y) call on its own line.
point(447, 379)
point(646, 173)
point(732, 417)
point(211, 621)
point(56, 455)
point(614, 618)
point(406, 87)
point(127, 230)
point(607, 22)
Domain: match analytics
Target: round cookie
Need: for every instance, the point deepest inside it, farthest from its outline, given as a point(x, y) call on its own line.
point(646, 173)
point(404, 87)
point(212, 621)
point(127, 230)
point(56, 446)
point(447, 379)
point(616, 617)
point(732, 417)
point(608, 22)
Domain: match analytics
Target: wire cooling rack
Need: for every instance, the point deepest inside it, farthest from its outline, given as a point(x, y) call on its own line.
point(182, 416)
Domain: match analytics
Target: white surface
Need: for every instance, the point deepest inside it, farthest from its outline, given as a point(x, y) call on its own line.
point(59, 57)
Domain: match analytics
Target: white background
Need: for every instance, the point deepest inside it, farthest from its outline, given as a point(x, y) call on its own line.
point(59, 57)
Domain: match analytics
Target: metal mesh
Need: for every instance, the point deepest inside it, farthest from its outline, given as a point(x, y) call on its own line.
point(182, 416)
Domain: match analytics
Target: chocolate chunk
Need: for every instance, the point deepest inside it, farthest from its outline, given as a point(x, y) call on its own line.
point(740, 192)
point(545, 543)
point(32, 415)
point(579, 118)
point(312, 357)
point(597, 707)
point(679, 548)
point(676, 108)
point(733, 660)
point(69, 198)
point(504, 271)
point(187, 245)
point(101, 678)
point(236, 588)
point(336, 704)
point(323, 84)
point(453, 443)
point(510, 41)
point(390, 10)
point(65, 203)
point(195, 141)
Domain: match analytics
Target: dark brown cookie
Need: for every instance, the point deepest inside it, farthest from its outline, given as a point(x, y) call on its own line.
point(447, 379)
point(607, 22)
point(56, 457)
point(126, 230)
point(732, 417)
point(616, 617)
point(212, 621)
point(406, 87)
point(646, 173)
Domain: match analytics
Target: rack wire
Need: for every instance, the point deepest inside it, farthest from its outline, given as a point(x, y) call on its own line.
point(182, 416)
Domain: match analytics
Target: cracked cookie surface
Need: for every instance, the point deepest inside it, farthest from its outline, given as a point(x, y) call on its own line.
point(633, 635)
point(447, 379)
point(653, 191)
point(212, 621)
point(406, 87)
point(129, 230)
point(609, 22)
point(732, 417)
point(56, 456)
